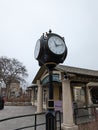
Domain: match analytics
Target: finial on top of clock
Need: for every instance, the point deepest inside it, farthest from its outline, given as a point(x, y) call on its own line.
point(50, 31)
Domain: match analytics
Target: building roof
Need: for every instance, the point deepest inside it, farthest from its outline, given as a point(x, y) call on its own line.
point(67, 69)
point(75, 70)
point(94, 84)
point(32, 86)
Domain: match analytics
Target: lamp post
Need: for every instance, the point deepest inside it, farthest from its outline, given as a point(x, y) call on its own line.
point(50, 50)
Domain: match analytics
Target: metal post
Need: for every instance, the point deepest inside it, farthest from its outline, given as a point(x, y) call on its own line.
point(51, 101)
point(35, 122)
point(50, 115)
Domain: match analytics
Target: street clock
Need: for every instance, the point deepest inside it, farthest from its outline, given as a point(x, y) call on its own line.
point(50, 48)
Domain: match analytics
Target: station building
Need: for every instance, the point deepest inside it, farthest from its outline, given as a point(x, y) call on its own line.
point(70, 84)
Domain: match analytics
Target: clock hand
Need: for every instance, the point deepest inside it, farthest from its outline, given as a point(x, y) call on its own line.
point(55, 43)
point(58, 44)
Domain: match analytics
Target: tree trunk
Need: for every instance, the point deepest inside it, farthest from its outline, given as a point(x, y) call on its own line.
point(7, 91)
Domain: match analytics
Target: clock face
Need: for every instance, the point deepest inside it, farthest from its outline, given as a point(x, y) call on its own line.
point(56, 45)
point(37, 49)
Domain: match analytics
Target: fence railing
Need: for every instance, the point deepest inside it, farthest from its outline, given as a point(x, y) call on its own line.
point(58, 120)
point(36, 120)
point(85, 114)
point(22, 116)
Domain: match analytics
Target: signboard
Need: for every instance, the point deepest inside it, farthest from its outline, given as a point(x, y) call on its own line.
point(58, 105)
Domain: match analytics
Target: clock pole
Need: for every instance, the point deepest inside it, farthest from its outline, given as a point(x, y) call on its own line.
point(50, 50)
point(50, 115)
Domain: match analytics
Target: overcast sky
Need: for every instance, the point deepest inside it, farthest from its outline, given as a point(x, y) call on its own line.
point(22, 22)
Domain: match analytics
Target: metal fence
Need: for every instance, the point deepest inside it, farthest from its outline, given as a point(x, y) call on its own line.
point(38, 119)
point(35, 121)
point(85, 114)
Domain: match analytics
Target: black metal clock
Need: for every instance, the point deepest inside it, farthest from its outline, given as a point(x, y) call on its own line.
point(50, 48)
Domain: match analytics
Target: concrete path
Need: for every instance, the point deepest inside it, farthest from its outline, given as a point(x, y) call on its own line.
point(10, 111)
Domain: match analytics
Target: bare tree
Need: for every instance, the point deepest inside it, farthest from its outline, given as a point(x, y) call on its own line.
point(11, 70)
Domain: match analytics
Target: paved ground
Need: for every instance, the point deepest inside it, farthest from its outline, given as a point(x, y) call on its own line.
point(10, 111)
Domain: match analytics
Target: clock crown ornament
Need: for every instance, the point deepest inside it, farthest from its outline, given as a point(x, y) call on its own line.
point(50, 47)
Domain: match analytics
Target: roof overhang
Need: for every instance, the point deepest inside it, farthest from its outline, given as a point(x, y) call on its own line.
point(69, 70)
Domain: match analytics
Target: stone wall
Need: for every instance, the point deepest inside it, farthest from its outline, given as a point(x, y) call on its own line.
point(18, 104)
